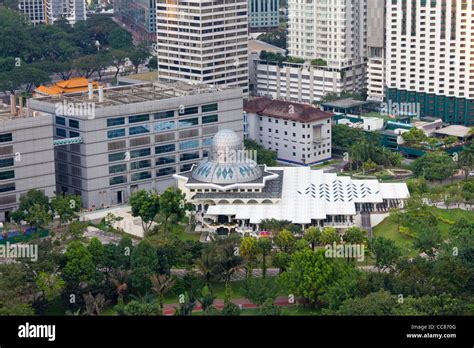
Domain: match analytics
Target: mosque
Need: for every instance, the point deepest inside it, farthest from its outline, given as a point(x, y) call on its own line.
point(232, 193)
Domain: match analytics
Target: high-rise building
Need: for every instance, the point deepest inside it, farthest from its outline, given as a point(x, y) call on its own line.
point(375, 50)
point(332, 30)
point(139, 16)
point(126, 138)
point(33, 9)
point(430, 57)
point(263, 15)
point(72, 10)
point(26, 155)
point(203, 41)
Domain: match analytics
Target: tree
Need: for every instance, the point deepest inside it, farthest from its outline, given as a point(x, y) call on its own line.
point(269, 308)
point(206, 299)
point(466, 159)
point(264, 156)
point(79, 267)
point(117, 59)
point(281, 260)
point(249, 250)
point(230, 309)
point(428, 240)
point(95, 304)
point(97, 251)
point(329, 235)
point(386, 252)
point(310, 274)
point(86, 66)
point(258, 290)
point(50, 285)
point(139, 308)
point(144, 263)
point(285, 241)
point(66, 207)
point(377, 303)
point(274, 225)
point(228, 259)
point(434, 166)
point(32, 198)
point(355, 235)
point(207, 263)
point(75, 230)
point(120, 39)
point(145, 205)
point(186, 307)
point(161, 284)
point(265, 247)
point(138, 56)
point(313, 236)
point(173, 205)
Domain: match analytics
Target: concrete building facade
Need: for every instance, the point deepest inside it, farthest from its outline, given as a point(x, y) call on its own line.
point(299, 133)
point(202, 41)
point(375, 50)
point(430, 57)
point(263, 15)
point(26, 156)
point(33, 9)
point(135, 137)
point(139, 15)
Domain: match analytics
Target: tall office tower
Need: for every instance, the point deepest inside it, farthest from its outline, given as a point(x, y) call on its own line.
point(375, 50)
point(333, 30)
point(72, 10)
point(203, 41)
point(263, 15)
point(430, 57)
point(139, 15)
point(33, 9)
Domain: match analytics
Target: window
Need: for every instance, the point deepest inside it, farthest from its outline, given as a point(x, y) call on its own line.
point(207, 141)
point(165, 160)
point(209, 119)
point(164, 114)
point(140, 153)
point(140, 164)
point(189, 156)
point(119, 156)
point(5, 137)
point(74, 124)
point(141, 176)
point(209, 107)
point(139, 130)
point(7, 162)
point(115, 121)
point(138, 118)
point(189, 111)
point(165, 171)
point(74, 134)
point(116, 133)
point(119, 168)
point(189, 144)
point(60, 120)
point(186, 167)
point(118, 180)
point(10, 174)
point(189, 122)
point(7, 187)
point(60, 132)
point(164, 148)
point(164, 126)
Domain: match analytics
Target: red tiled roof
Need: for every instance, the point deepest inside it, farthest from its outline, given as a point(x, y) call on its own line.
point(285, 110)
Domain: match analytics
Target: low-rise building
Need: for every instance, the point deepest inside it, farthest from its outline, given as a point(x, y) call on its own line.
point(26, 155)
point(299, 133)
point(126, 138)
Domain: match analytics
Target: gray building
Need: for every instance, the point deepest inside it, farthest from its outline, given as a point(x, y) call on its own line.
point(299, 133)
point(263, 15)
point(135, 137)
point(139, 15)
point(26, 156)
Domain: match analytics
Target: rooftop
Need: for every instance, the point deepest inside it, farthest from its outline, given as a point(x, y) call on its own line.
point(130, 94)
point(345, 103)
point(75, 84)
point(256, 46)
point(454, 130)
point(285, 110)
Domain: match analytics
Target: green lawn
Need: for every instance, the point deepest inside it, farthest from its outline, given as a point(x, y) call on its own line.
point(388, 228)
point(324, 164)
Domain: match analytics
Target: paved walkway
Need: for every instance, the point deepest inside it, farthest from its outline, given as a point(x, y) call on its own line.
point(282, 301)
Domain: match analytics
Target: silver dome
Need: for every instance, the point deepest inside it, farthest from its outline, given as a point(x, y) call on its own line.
point(227, 163)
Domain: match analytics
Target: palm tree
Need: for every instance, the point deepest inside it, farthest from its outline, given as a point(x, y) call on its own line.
point(120, 279)
point(95, 304)
point(161, 284)
point(207, 263)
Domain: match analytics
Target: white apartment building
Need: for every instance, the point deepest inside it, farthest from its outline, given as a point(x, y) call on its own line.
point(305, 83)
point(430, 57)
point(333, 30)
point(26, 155)
point(299, 133)
point(48, 11)
point(375, 50)
point(33, 9)
point(203, 41)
